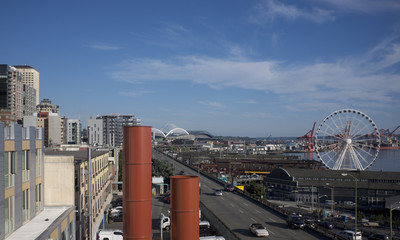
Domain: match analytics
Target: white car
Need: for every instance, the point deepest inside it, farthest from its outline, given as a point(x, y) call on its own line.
point(218, 192)
point(349, 235)
point(259, 230)
point(116, 209)
point(110, 234)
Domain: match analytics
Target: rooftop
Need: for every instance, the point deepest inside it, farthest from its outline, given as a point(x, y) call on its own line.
point(78, 155)
point(39, 224)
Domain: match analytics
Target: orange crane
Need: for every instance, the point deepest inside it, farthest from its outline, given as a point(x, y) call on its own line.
point(308, 139)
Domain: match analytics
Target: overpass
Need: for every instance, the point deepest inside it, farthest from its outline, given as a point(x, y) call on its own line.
point(234, 212)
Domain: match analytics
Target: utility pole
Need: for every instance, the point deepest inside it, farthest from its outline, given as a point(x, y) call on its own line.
point(90, 192)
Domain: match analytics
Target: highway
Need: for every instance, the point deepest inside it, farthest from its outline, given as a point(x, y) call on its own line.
point(237, 212)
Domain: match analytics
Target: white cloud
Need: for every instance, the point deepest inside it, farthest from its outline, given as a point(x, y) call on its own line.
point(105, 47)
point(213, 104)
point(365, 6)
point(362, 80)
point(249, 101)
point(134, 93)
point(267, 11)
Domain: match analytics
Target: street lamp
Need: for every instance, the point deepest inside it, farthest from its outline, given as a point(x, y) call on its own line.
point(355, 208)
point(319, 205)
point(332, 197)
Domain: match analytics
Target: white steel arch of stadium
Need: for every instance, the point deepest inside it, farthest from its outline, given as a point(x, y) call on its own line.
point(177, 129)
point(156, 130)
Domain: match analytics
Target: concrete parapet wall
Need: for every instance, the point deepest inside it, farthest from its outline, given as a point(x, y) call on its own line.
point(217, 224)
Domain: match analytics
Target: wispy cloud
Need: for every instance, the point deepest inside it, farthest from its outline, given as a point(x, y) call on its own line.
point(367, 79)
point(267, 11)
point(174, 29)
point(249, 101)
point(134, 93)
point(365, 6)
point(104, 47)
point(213, 104)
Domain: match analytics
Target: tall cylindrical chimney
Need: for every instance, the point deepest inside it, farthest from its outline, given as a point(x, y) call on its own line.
point(185, 207)
point(137, 183)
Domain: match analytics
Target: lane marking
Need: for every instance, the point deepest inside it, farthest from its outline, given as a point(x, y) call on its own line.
point(253, 219)
point(245, 204)
point(258, 211)
point(240, 210)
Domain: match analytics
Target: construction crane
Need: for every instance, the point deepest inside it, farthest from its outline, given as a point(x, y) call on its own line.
point(308, 139)
point(392, 132)
point(388, 137)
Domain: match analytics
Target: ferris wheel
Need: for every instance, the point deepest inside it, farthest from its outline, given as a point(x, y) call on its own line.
point(347, 139)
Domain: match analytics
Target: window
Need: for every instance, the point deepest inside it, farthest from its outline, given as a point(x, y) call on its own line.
point(38, 197)
point(25, 205)
point(25, 165)
point(9, 215)
point(39, 162)
point(9, 169)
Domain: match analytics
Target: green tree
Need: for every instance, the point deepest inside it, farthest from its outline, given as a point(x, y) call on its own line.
point(255, 189)
point(161, 168)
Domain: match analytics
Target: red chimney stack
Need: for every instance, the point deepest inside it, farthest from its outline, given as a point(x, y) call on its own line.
point(137, 183)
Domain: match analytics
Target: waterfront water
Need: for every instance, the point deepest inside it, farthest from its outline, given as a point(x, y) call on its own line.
point(387, 160)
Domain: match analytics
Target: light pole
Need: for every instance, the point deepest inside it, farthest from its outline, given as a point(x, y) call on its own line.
point(355, 208)
point(332, 197)
point(319, 205)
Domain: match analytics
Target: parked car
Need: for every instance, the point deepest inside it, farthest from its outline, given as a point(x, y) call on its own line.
point(295, 221)
point(259, 230)
point(379, 236)
point(116, 209)
point(109, 234)
point(309, 221)
point(114, 212)
point(349, 235)
point(326, 224)
point(117, 217)
point(218, 192)
point(167, 199)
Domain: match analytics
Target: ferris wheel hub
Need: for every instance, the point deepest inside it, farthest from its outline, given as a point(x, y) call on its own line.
point(348, 141)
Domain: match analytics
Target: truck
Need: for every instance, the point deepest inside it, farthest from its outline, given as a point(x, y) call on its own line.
point(166, 223)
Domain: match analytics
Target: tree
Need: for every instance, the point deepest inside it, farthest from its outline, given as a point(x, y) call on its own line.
point(161, 168)
point(255, 189)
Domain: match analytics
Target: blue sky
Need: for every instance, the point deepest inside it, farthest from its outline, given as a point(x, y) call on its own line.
point(238, 68)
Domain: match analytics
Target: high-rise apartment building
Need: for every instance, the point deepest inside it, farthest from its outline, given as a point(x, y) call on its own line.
point(54, 125)
point(73, 131)
point(30, 78)
point(106, 130)
point(46, 106)
point(16, 98)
